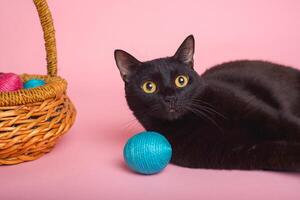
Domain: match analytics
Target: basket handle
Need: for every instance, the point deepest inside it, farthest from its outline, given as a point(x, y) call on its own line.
point(49, 35)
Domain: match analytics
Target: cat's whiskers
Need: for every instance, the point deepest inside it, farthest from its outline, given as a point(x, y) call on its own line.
point(208, 107)
point(197, 111)
point(204, 108)
point(130, 125)
point(133, 123)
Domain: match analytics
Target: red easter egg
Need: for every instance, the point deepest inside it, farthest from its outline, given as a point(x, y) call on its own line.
point(10, 82)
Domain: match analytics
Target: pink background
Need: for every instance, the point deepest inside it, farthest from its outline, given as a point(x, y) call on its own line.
point(88, 163)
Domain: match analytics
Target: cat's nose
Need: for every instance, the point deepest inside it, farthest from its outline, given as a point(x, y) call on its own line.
point(170, 99)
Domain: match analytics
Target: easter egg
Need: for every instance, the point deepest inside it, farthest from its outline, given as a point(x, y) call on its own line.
point(10, 82)
point(33, 83)
point(147, 152)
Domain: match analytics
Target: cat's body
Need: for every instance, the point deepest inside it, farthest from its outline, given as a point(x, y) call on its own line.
point(237, 115)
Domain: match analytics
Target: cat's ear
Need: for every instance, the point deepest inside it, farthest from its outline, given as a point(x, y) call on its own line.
point(185, 53)
point(126, 63)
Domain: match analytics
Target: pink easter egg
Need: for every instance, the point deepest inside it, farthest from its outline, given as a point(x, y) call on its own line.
point(10, 82)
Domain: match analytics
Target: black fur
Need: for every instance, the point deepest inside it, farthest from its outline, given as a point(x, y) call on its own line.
point(237, 115)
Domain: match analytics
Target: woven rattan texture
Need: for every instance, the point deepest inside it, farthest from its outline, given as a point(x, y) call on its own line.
point(32, 120)
point(49, 35)
point(55, 87)
point(29, 131)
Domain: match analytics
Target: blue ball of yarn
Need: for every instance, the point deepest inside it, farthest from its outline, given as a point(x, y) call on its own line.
point(147, 152)
point(33, 83)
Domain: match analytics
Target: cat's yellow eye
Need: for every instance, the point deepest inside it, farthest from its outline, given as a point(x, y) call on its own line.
point(149, 87)
point(181, 81)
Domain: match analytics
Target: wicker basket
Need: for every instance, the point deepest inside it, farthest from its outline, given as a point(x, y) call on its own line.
point(32, 120)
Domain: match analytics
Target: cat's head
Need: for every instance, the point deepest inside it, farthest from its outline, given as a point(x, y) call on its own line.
point(162, 88)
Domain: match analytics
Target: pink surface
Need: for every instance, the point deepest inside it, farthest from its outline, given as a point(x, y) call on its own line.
point(88, 163)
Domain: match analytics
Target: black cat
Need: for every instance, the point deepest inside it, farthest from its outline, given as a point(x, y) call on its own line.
point(237, 115)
